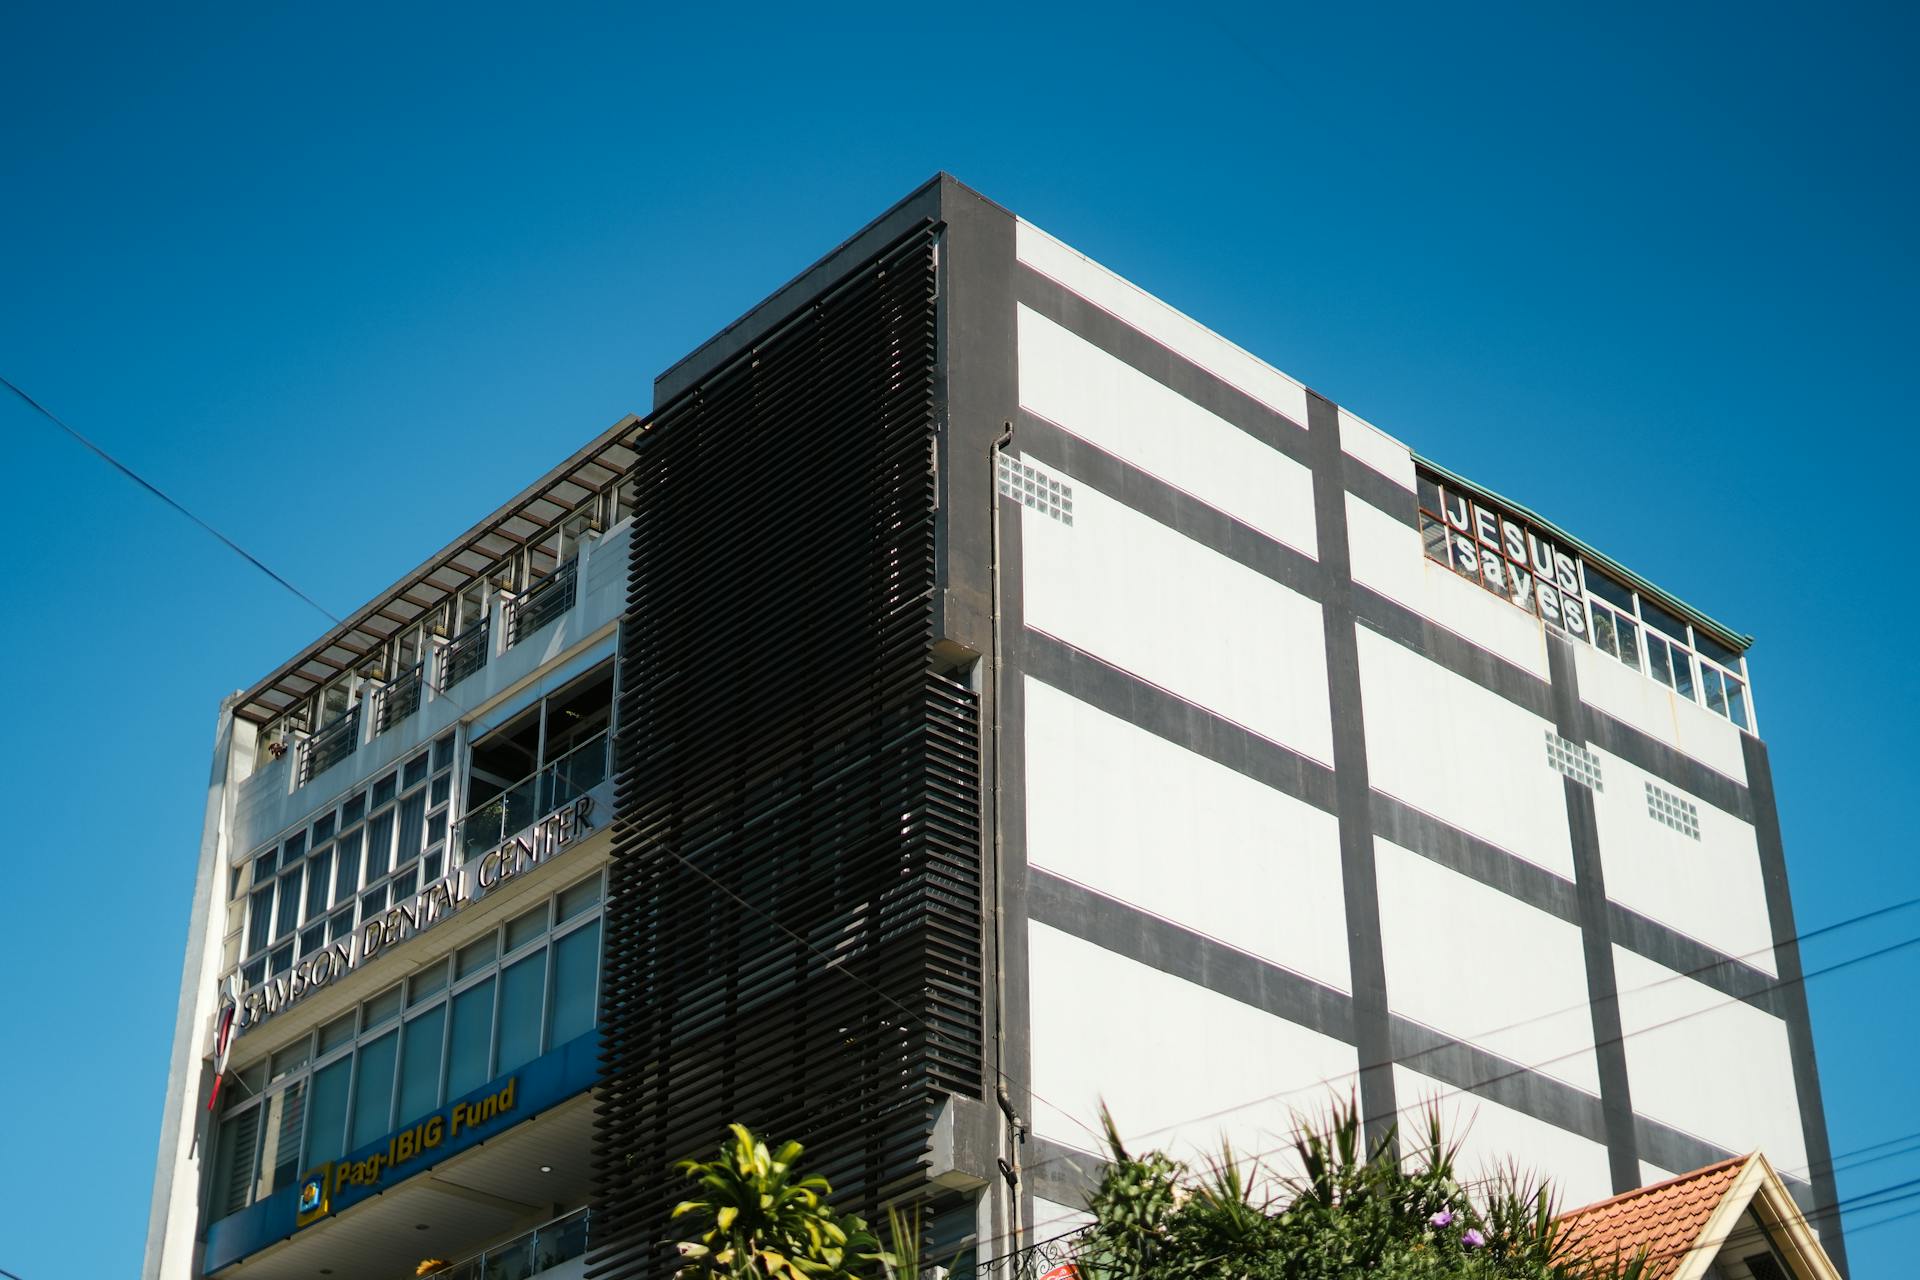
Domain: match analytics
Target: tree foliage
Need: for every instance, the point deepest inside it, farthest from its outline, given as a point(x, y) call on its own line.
point(1351, 1211)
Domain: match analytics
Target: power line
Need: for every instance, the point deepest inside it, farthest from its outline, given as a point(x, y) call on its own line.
point(1447, 1042)
point(167, 498)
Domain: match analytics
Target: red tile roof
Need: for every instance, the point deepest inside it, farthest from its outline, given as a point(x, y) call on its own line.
point(1664, 1219)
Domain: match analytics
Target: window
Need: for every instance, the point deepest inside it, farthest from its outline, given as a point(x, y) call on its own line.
point(1651, 639)
point(541, 760)
point(502, 1000)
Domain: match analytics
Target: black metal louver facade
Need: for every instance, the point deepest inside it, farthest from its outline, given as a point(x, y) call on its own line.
point(794, 914)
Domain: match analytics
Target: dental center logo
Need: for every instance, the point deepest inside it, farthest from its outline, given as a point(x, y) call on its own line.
point(546, 839)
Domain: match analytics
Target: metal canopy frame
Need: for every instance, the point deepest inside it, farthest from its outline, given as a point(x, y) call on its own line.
point(604, 459)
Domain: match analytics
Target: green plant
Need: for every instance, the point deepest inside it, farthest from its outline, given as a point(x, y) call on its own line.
point(759, 1218)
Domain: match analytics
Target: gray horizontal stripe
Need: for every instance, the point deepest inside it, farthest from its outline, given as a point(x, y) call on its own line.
point(1150, 496)
point(1379, 491)
point(1060, 1173)
point(1670, 766)
point(1160, 362)
point(1165, 714)
point(1160, 944)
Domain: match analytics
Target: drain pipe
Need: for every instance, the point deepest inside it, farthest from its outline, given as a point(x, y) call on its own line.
point(1009, 1161)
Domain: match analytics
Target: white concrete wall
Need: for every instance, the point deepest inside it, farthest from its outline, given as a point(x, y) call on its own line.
point(1362, 440)
point(1205, 348)
point(1180, 1066)
point(1485, 968)
point(1629, 696)
point(1135, 593)
point(1140, 819)
point(1710, 889)
point(1075, 385)
point(1387, 557)
point(1450, 748)
point(1707, 1064)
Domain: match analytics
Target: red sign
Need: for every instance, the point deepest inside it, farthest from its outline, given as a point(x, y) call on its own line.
point(1065, 1271)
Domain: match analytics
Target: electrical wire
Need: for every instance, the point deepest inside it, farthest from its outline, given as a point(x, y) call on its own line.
point(167, 498)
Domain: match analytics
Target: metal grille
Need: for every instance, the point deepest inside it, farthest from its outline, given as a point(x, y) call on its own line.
point(465, 654)
point(400, 699)
point(793, 918)
point(543, 604)
point(330, 746)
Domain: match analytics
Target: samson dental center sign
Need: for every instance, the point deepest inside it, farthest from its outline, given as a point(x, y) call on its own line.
point(1505, 554)
point(467, 883)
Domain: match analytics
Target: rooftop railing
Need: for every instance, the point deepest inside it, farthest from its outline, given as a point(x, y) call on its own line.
point(543, 603)
point(465, 654)
point(400, 699)
point(534, 797)
point(541, 1249)
point(330, 746)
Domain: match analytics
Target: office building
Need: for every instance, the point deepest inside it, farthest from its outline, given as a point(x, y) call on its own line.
point(975, 690)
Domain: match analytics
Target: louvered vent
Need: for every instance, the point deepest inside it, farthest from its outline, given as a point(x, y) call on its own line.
point(794, 917)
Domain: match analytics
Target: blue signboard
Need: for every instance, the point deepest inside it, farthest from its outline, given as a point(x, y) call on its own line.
point(464, 1122)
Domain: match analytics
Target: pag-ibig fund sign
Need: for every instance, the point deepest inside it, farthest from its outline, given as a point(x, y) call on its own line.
point(466, 883)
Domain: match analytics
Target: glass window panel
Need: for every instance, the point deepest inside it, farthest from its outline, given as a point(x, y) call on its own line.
point(286, 907)
point(523, 989)
point(1712, 648)
point(442, 788)
point(1737, 703)
point(354, 810)
point(474, 957)
point(420, 1064)
point(340, 926)
point(443, 751)
point(403, 885)
point(525, 928)
point(312, 939)
point(323, 828)
point(413, 811)
point(382, 1008)
point(371, 904)
point(427, 983)
point(1603, 635)
point(436, 828)
point(347, 868)
point(336, 1033)
point(256, 973)
point(1599, 584)
point(1629, 643)
point(472, 1041)
point(430, 865)
point(576, 970)
point(414, 771)
point(1660, 660)
point(577, 899)
point(379, 847)
point(264, 864)
point(288, 1061)
point(260, 919)
point(280, 1148)
point(327, 1113)
point(383, 791)
point(1429, 495)
point(233, 1161)
point(1654, 616)
point(319, 882)
point(281, 960)
point(373, 1090)
point(295, 846)
point(1715, 690)
point(1683, 672)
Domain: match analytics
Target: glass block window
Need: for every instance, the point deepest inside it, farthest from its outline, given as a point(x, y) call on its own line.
point(1681, 814)
point(1574, 760)
point(1031, 486)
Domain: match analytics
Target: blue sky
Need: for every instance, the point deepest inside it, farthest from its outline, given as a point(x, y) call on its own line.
point(344, 277)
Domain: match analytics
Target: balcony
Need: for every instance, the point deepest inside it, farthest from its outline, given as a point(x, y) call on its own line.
point(543, 603)
point(465, 654)
point(400, 699)
point(535, 796)
point(330, 746)
point(536, 1253)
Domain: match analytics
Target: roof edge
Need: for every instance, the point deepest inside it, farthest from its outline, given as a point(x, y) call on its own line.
point(1720, 631)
